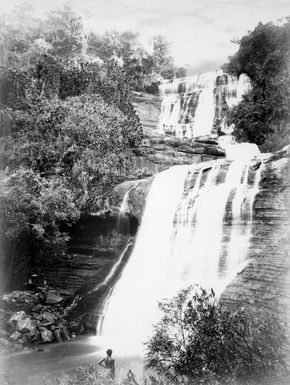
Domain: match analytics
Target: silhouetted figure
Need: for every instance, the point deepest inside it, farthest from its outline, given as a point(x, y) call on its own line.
point(109, 364)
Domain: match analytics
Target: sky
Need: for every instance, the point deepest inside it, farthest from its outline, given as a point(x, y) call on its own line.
point(200, 31)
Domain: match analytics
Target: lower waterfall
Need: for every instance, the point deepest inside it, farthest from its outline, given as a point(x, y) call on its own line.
point(195, 229)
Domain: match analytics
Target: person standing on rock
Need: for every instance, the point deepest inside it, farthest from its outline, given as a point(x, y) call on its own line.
point(109, 364)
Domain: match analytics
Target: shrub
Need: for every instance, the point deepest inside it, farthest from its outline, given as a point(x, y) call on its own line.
point(199, 342)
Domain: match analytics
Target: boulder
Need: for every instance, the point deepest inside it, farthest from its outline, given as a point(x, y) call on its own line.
point(26, 326)
point(15, 336)
point(56, 334)
point(37, 308)
point(46, 335)
point(53, 297)
point(16, 317)
point(48, 317)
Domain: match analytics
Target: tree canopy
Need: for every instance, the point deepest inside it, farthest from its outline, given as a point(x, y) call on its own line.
point(263, 117)
point(62, 33)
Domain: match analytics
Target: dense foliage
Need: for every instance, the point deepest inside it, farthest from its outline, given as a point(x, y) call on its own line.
point(33, 208)
point(263, 117)
point(199, 342)
point(68, 124)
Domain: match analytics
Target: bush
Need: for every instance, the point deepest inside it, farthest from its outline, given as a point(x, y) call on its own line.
point(199, 342)
point(34, 208)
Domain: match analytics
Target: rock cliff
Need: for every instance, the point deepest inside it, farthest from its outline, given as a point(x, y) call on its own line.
point(263, 286)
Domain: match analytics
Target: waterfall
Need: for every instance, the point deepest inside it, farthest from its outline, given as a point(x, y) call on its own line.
point(123, 220)
point(197, 105)
point(196, 228)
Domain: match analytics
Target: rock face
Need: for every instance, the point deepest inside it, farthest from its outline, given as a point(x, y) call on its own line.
point(90, 256)
point(161, 152)
point(263, 287)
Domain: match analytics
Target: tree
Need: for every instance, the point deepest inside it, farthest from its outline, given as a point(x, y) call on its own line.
point(163, 62)
point(263, 117)
point(197, 341)
point(64, 32)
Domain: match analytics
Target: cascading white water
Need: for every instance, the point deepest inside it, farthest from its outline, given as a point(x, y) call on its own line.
point(196, 105)
point(183, 240)
point(123, 220)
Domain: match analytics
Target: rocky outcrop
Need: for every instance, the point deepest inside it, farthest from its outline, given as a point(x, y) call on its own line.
point(161, 152)
point(32, 317)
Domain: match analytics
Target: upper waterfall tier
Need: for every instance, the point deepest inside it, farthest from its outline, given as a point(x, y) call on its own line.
point(198, 105)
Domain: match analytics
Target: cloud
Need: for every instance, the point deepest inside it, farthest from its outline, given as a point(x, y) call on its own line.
point(204, 66)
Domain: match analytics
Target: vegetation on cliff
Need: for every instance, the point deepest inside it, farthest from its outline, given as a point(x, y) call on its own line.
point(68, 125)
point(263, 117)
point(199, 342)
point(55, 136)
